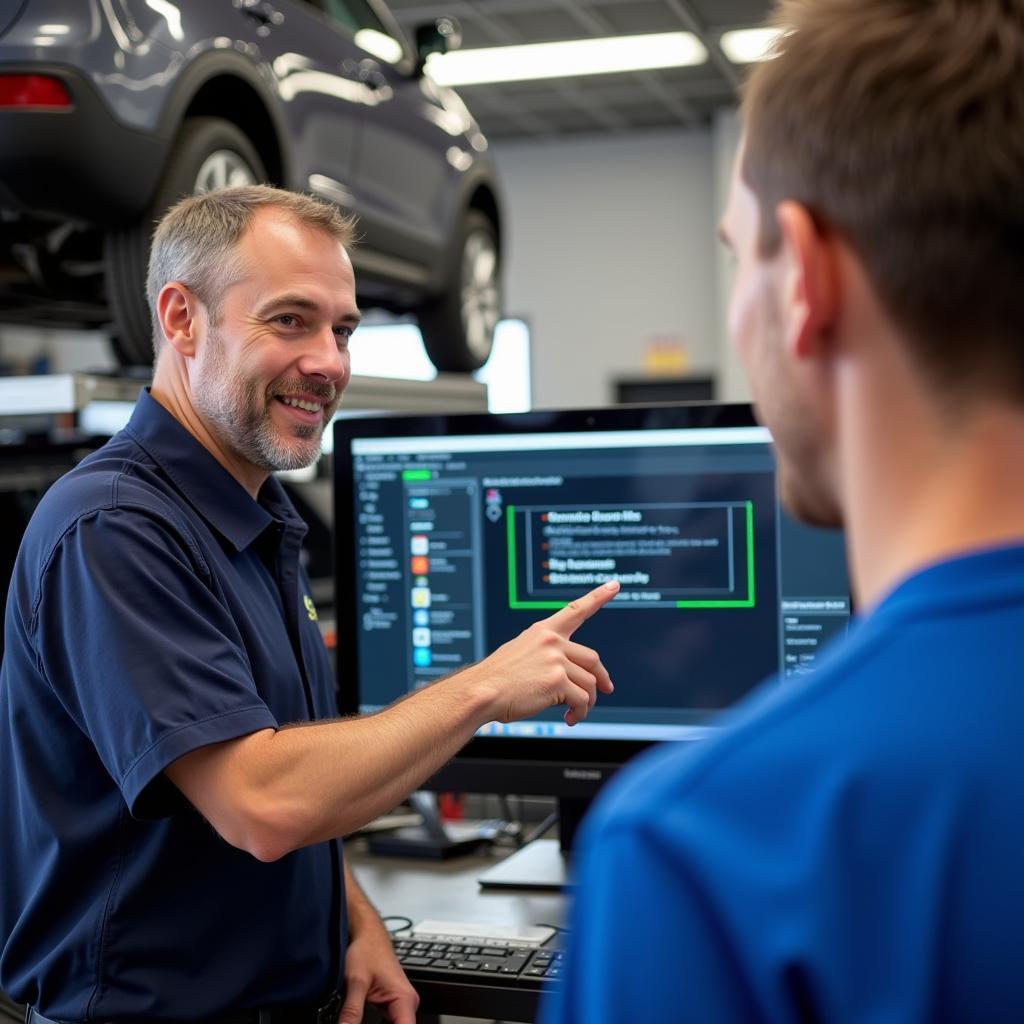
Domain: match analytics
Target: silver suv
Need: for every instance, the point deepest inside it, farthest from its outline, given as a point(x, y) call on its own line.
point(110, 110)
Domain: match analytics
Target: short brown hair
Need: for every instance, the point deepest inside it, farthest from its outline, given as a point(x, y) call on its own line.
point(196, 240)
point(900, 125)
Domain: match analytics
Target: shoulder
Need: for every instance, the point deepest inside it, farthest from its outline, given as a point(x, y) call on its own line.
point(766, 760)
point(114, 495)
point(857, 733)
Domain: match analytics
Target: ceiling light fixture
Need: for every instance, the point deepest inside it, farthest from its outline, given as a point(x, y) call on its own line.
point(533, 61)
point(747, 45)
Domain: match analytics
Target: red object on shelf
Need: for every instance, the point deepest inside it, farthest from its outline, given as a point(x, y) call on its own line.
point(451, 806)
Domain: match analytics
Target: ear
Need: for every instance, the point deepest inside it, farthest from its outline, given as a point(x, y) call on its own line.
point(809, 288)
point(179, 313)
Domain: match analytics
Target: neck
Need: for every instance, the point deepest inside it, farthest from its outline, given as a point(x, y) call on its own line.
point(171, 390)
point(922, 484)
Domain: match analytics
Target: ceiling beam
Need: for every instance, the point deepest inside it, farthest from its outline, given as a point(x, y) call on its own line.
point(547, 109)
point(598, 25)
point(684, 11)
point(575, 95)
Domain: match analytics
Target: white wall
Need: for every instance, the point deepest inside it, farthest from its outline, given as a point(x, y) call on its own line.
point(611, 243)
point(731, 379)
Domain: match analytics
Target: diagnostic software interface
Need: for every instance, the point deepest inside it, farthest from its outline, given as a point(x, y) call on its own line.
point(464, 541)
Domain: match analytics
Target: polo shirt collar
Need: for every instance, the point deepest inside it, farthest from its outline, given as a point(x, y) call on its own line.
point(214, 493)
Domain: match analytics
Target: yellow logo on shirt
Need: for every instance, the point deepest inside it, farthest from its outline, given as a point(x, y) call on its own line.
point(310, 607)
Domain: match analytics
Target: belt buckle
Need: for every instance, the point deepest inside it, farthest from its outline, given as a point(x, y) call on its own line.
point(328, 1013)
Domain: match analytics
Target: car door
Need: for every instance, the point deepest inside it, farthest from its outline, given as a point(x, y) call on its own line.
point(322, 107)
point(404, 179)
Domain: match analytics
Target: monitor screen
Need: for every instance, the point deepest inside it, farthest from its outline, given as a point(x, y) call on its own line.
point(454, 533)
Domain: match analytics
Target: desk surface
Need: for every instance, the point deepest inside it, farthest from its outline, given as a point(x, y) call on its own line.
point(448, 890)
point(419, 889)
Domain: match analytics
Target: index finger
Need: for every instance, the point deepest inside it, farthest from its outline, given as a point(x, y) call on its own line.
point(568, 619)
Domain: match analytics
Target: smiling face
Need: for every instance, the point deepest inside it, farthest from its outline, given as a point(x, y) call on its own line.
point(268, 377)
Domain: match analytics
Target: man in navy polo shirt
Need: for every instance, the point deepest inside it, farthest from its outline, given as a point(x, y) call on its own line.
point(172, 784)
point(849, 847)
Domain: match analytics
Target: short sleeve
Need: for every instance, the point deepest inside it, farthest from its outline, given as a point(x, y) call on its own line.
point(147, 661)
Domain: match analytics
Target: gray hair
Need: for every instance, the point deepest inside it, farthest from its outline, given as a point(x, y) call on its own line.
point(196, 241)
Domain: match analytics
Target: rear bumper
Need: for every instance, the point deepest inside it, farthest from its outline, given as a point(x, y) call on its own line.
point(80, 164)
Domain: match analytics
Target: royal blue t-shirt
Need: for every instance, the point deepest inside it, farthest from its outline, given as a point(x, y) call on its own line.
point(155, 608)
point(849, 849)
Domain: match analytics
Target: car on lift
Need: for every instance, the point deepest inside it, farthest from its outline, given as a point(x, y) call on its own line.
point(110, 110)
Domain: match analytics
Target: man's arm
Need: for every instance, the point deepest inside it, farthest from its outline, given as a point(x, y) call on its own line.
point(274, 791)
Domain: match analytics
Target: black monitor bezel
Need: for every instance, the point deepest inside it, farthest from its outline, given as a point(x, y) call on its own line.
point(489, 754)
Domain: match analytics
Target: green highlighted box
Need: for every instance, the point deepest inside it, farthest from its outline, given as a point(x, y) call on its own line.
point(417, 474)
point(513, 590)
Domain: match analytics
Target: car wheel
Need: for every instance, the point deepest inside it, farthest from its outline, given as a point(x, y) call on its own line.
point(458, 326)
point(209, 153)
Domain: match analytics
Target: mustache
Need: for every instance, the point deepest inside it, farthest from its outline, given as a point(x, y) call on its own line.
point(301, 386)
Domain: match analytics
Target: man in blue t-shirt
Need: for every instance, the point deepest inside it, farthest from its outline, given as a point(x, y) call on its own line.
point(848, 847)
point(169, 850)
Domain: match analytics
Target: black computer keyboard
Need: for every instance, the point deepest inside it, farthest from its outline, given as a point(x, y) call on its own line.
point(480, 961)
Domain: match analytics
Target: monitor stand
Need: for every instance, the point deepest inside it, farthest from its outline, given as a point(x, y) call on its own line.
point(433, 839)
point(543, 863)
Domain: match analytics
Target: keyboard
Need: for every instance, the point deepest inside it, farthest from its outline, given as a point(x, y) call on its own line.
point(524, 959)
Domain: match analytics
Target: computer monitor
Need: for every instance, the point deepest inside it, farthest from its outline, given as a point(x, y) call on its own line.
point(454, 533)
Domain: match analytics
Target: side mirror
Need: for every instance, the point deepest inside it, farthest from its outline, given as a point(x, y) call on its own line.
point(439, 36)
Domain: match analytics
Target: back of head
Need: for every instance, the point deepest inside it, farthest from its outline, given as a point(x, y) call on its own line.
point(900, 125)
point(196, 241)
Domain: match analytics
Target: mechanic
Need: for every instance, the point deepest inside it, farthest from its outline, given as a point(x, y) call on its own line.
point(173, 775)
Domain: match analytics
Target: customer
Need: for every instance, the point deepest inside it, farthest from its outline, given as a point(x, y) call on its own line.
point(172, 781)
point(849, 846)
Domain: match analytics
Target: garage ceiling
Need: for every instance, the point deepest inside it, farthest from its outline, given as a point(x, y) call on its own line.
point(612, 103)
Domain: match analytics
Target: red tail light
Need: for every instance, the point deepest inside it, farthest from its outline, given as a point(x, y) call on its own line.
point(20, 91)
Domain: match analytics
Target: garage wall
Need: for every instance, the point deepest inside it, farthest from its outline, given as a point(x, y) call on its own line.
point(731, 378)
point(611, 246)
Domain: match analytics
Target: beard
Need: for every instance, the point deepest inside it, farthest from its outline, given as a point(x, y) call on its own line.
point(801, 439)
point(239, 409)
point(806, 496)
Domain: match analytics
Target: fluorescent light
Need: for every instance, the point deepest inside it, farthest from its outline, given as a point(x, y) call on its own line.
point(562, 60)
point(380, 45)
point(747, 45)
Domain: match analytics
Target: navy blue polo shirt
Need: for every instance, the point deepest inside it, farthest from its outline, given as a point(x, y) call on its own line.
point(154, 608)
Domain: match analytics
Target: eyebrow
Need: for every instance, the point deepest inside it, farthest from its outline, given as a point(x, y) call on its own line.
point(303, 302)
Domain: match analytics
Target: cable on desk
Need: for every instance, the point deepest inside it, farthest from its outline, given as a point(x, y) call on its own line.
point(406, 922)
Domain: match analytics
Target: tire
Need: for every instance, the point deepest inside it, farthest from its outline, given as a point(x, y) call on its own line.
point(208, 153)
point(458, 326)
